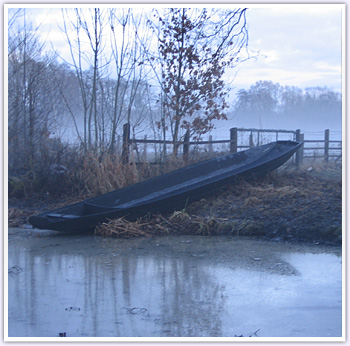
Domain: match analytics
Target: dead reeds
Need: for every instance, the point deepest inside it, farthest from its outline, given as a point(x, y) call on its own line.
point(122, 228)
point(101, 174)
point(97, 174)
point(179, 222)
point(18, 217)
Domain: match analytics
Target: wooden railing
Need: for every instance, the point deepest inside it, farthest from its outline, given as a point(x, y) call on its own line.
point(324, 150)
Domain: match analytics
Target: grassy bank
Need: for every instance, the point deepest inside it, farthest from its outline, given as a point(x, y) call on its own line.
point(287, 205)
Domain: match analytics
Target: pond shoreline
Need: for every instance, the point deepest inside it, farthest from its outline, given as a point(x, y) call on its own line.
point(286, 206)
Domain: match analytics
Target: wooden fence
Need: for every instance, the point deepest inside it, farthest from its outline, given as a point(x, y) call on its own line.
point(325, 149)
point(244, 138)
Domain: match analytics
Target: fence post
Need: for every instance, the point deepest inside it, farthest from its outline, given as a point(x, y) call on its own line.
point(299, 153)
point(162, 151)
point(251, 142)
point(186, 145)
point(210, 146)
point(233, 139)
point(326, 145)
point(126, 143)
point(145, 150)
point(301, 150)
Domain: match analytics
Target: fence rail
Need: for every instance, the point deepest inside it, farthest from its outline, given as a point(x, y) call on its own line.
point(238, 140)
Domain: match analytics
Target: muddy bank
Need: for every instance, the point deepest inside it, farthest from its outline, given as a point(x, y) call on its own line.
point(284, 206)
point(304, 206)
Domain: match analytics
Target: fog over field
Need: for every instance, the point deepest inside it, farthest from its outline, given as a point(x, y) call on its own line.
point(78, 74)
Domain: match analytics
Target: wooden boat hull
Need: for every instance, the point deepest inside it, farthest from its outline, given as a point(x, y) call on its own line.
point(168, 192)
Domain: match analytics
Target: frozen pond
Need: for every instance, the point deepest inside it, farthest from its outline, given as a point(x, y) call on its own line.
point(88, 286)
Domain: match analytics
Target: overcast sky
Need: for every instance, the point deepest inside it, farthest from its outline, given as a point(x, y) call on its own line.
point(299, 45)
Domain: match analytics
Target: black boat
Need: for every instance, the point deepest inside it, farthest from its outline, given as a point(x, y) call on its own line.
point(168, 192)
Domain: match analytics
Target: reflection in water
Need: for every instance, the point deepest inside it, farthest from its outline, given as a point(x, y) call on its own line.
point(179, 286)
point(111, 294)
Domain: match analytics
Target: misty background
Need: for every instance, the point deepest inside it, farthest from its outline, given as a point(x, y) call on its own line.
point(77, 75)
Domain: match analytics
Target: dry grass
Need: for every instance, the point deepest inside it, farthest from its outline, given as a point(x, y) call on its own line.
point(18, 217)
point(95, 174)
point(103, 174)
point(122, 228)
point(245, 208)
point(179, 222)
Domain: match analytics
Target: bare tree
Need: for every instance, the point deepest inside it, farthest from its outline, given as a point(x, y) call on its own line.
point(196, 48)
point(30, 114)
point(93, 28)
point(130, 74)
point(88, 24)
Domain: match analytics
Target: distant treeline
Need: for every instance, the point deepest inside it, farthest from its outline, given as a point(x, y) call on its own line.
point(288, 107)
